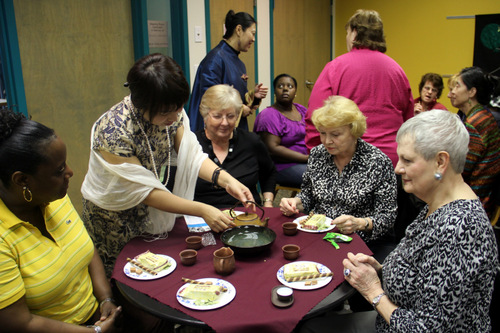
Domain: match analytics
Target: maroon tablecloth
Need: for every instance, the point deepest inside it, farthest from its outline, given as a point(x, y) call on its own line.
point(253, 278)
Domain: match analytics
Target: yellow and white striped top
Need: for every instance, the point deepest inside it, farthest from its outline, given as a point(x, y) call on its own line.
point(53, 277)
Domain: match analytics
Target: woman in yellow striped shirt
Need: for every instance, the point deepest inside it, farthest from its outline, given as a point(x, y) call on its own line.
point(51, 279)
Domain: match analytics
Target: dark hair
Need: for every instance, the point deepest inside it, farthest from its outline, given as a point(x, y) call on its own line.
point(435, 79)
point(370, 30)
point(22, 144)
point(485, 84)
point(157, 81)
point(277, 78)
point(233, 20)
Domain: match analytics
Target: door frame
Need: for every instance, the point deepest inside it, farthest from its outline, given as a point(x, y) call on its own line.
point(11, 58)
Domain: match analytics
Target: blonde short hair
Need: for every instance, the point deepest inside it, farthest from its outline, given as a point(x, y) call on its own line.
point(340, 111)
point(220, 97)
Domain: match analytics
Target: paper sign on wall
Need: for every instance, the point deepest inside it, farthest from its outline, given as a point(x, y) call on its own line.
point(157, 31)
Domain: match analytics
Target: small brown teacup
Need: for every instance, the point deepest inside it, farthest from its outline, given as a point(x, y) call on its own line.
point(289, 228)
point(291, 251)
point(188, 257)
point(224, 263)
point(194, 242)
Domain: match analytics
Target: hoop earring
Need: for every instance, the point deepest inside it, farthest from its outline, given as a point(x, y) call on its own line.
point(27, 190)
point(438, 176)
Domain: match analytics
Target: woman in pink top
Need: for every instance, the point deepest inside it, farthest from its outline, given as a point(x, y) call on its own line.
point(374, 81)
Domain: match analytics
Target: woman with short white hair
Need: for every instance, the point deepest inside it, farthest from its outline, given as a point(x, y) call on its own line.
point(440, 277)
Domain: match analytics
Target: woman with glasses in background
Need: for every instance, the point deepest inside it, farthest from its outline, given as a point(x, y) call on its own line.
point(430, 87)
point(239, 152)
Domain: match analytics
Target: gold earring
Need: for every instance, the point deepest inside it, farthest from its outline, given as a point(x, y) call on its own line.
point(27, 190)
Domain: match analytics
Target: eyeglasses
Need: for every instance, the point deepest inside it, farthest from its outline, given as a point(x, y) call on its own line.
point(230, 117)
point(427, 88)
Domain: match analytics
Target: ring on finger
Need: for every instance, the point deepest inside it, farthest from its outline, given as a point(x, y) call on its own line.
point(347, 272)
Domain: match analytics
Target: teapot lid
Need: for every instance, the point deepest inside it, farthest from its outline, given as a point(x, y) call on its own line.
point(247, 217)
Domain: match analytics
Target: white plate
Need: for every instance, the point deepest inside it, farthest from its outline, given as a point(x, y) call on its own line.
point(145, 275)
point(226, 297)
point(301, 284)
point(328, 222)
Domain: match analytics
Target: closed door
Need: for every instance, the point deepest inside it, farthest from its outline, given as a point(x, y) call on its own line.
point(302, 41)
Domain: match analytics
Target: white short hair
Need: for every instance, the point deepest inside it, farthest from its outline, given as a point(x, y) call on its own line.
point(438, 130)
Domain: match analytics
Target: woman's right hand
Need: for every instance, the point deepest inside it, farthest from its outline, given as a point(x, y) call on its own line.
point(418, 108)
point(362, 276)
point(288, 206)
point(216, 219)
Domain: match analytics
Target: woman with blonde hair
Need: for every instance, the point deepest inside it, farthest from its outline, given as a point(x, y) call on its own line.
point(347, 179)
point(238, 152)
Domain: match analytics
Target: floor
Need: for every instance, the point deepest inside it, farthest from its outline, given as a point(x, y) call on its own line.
point(279, 195)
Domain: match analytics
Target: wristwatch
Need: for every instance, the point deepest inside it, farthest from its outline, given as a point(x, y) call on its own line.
point(376, 300)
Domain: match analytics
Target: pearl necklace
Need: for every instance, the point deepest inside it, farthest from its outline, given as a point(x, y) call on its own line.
point(151, 150)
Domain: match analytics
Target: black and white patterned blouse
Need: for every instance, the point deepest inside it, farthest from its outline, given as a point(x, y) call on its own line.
point(366, 187)
point(442, 272)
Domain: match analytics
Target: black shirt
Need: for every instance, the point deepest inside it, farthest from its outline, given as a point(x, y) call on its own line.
point(248, 161)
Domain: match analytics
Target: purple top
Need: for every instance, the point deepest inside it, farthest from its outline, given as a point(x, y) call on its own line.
point(292, 133)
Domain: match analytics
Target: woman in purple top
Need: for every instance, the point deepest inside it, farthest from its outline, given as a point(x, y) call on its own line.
point(282, 128)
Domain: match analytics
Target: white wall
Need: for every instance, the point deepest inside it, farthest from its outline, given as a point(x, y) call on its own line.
point(264, 47)
point(197, 51)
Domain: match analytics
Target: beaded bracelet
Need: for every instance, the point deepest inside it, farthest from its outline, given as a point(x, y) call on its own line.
point(215, 178)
